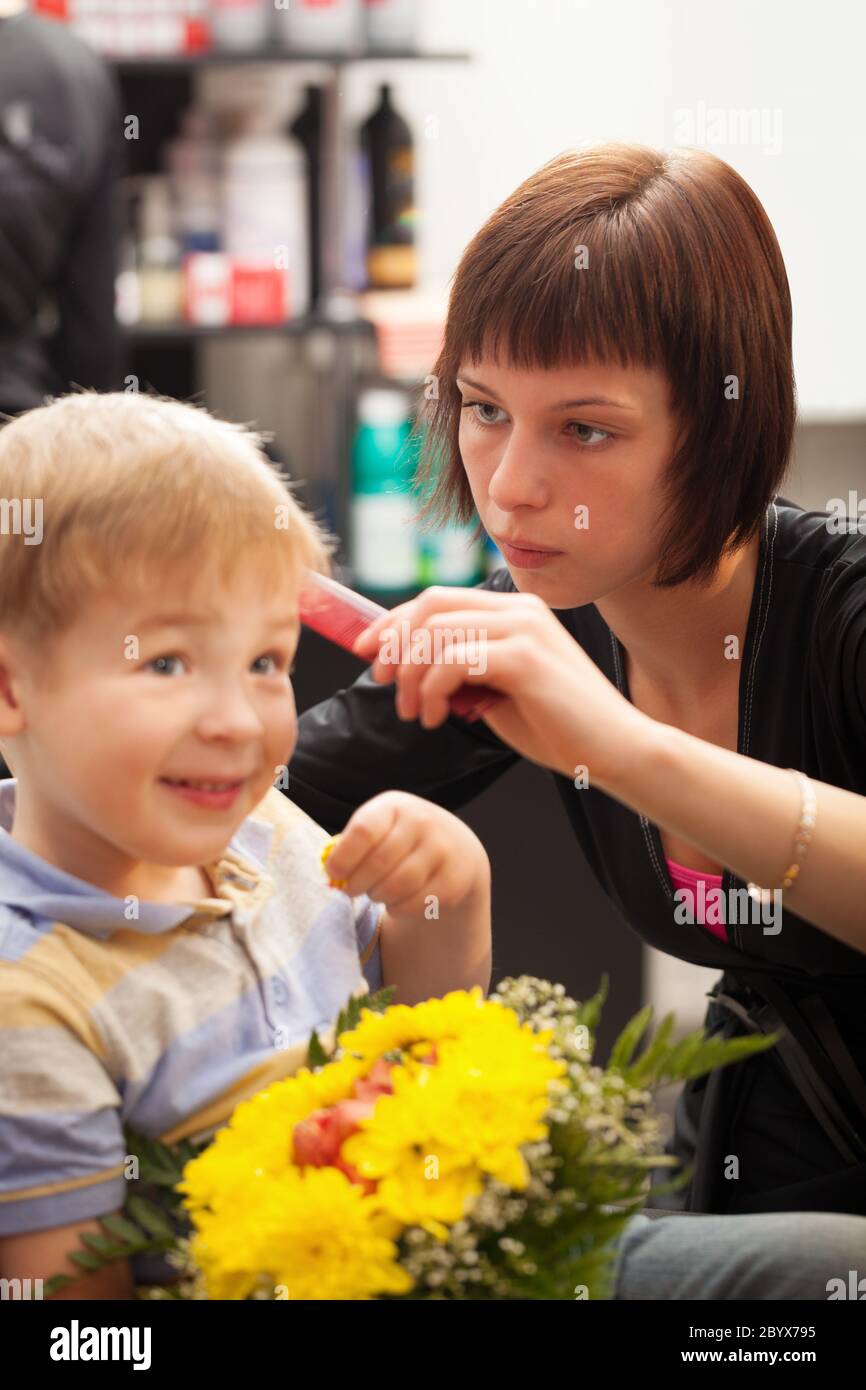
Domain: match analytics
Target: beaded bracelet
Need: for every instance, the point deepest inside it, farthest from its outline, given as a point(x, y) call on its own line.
point(802, 839)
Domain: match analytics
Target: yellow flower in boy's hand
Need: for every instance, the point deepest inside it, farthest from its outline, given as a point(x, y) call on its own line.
point(335, 882)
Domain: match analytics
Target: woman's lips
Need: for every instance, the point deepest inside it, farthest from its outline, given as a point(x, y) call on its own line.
point(524, 558)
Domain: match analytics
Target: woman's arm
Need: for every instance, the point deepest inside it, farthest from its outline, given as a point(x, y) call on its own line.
point(561, 711)
point(745, 813)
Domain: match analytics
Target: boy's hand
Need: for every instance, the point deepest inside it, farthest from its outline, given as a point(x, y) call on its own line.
point(433, 876)
point(402, 850)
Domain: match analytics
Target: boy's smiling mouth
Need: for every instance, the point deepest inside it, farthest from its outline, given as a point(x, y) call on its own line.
point(217, 795)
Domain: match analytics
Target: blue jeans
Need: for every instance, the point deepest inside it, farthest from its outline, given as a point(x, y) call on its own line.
point(762, 1255)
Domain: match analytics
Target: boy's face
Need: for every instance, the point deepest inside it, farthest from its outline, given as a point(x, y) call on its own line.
point(142, 694)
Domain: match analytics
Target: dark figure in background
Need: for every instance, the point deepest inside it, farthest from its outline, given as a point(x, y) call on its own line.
point(60, 132)
point(60, 127)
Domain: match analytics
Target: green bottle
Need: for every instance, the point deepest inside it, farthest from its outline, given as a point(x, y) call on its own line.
point(383, 541)
point(449, 554)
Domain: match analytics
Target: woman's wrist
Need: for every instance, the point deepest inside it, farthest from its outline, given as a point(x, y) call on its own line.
point(637, 750)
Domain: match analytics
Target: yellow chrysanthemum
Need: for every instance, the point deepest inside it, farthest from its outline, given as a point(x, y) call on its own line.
point(327, 849)
point(258, 1138)
point(429, 1144)
point(402, 1025)
point(313, 1234)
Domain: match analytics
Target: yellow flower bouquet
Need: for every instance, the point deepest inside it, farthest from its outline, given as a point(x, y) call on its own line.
point(463, 1148)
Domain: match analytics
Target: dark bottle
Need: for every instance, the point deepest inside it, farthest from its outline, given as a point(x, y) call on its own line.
point(307, 130)
point(386, 143)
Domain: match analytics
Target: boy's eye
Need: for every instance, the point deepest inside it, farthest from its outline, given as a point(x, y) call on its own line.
point(278, 663)
point(160, 664)
point(165, 665)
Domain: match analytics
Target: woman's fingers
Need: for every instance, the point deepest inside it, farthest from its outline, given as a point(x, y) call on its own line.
point(507, 661)
point(460, 641)
point(436, 599)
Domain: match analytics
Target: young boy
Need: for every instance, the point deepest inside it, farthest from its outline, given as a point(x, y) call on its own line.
point(168, 936)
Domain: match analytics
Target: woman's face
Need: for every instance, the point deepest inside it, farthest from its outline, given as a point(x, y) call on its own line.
point(569, 461)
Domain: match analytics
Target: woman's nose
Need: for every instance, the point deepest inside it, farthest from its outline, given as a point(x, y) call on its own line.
point(518, 479)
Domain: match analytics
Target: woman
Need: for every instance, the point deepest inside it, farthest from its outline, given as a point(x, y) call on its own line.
point(615, 396)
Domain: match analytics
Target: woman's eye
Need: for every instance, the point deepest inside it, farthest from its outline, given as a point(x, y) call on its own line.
point(160, 664)
point(476, 406)
point(591, 429)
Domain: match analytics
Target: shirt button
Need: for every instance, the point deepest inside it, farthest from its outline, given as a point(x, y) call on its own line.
point(279, 992)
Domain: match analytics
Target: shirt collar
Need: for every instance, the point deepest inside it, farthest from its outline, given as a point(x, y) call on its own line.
point(37, 888)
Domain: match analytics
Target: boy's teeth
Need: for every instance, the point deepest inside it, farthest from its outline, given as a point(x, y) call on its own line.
point(207, 786)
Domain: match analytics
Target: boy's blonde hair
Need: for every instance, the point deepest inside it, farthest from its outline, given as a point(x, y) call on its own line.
point(135, 487)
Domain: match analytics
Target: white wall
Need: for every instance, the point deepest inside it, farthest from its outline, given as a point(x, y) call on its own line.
point(552, 74)
point(548, 75)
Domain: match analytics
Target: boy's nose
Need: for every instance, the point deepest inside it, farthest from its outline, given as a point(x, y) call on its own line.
point(230, 714)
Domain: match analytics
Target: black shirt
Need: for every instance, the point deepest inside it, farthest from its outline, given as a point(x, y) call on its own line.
point(60, 138)
point(802, 704)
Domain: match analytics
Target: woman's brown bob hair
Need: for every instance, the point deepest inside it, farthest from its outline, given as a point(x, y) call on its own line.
point(683, 272)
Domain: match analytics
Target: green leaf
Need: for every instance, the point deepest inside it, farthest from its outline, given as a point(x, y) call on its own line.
point(316, 1054)
point(87, 1261)
point(380, 1000)
point(119, 1226)
point(56, 1283)
point(629, 1038)
point(149, 1216)
point(589, 1013)
point(102, 1245)
point(349, 1017)
point(644, 1067)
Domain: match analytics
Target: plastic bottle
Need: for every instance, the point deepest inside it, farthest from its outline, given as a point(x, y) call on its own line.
point(160, 282)
point(307, 130)
point(392, 24)
point(194, 162)
point(265, 204)
point(320, 26)
point(386, 142)
point(383, 539)
point(450, 554)
point(240, 26)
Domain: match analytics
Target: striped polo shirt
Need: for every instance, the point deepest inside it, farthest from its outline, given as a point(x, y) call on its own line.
point(158, 1015)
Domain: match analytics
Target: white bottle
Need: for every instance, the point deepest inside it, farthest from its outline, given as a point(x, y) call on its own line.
point(160, 281)
point(193, 160)
point(265, 204)
point(320, 26)
point(392, 24)
point(240, 26)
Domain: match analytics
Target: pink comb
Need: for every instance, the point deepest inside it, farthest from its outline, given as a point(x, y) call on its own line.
point(341, 615)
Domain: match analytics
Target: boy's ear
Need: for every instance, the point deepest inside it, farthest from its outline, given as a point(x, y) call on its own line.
point(11, 713)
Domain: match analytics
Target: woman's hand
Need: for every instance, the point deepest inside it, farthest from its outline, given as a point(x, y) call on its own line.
point(559, 709)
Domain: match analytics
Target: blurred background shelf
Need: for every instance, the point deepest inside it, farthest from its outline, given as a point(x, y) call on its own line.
point(182, 332)
point(159, 63)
